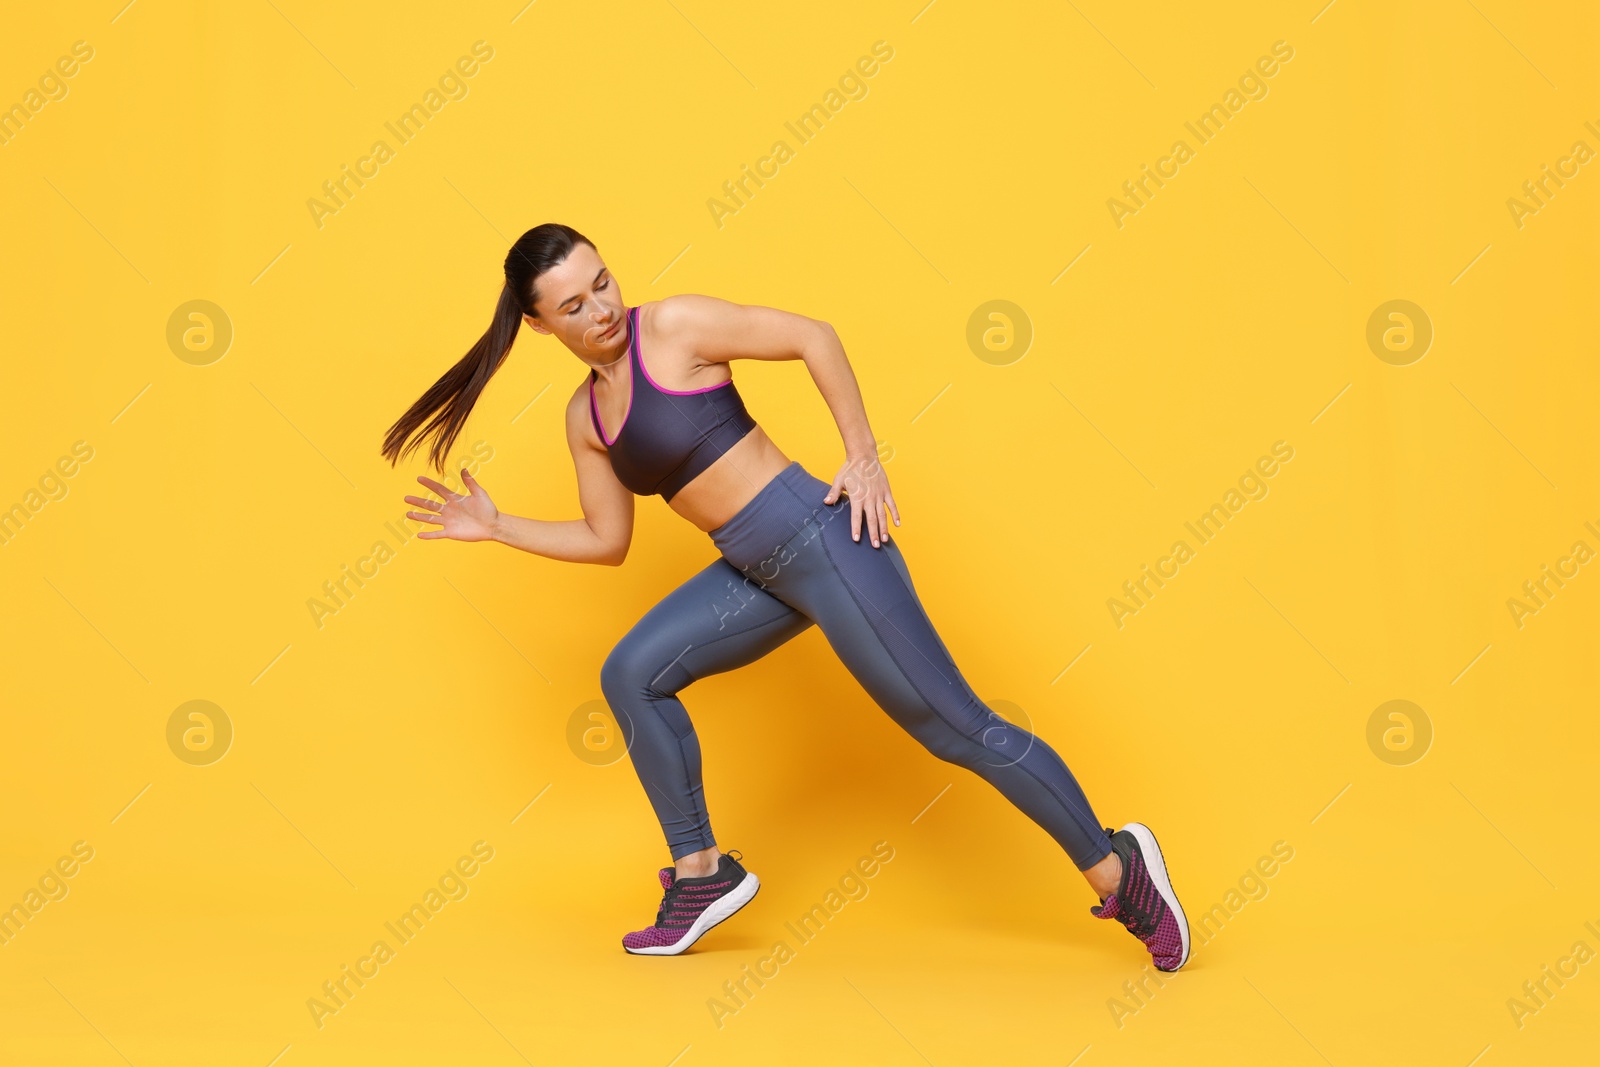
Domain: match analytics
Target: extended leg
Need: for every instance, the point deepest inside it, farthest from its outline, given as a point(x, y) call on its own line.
point(863, 600)
point(714, 622)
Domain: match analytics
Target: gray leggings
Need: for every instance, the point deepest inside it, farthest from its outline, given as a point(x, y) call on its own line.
point(788, 561)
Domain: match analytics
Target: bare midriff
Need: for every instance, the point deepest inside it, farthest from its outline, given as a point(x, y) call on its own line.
point(718, 492)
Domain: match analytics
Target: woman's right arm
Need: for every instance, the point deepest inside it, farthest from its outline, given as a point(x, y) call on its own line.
point(601, 536)
point(606, 529)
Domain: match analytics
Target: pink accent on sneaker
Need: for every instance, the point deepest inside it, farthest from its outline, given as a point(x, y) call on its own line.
point(686, 913)
point(1145, 902)
point(650, 937)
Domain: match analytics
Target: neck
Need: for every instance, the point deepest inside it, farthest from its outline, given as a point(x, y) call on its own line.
point(627, 346)
point(597, 367)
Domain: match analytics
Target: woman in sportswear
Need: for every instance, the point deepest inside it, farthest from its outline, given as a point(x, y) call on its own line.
point(658, 413)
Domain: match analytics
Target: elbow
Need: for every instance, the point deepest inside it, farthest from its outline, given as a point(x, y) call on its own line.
point(824, 338)
point(608, 549)
point(827, 334)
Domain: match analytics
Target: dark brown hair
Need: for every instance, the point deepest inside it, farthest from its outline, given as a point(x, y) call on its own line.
point(447, 403)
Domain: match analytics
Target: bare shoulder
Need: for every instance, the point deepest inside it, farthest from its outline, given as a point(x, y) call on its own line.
point(685, 314)
point(717, 330)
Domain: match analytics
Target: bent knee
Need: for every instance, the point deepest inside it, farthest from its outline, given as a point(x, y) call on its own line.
point(619, 677)
point(630, 672)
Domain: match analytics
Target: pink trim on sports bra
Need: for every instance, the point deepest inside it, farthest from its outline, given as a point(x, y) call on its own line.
point(633, 343)
point(600, 423)
point(662, 388)
point(637, 361)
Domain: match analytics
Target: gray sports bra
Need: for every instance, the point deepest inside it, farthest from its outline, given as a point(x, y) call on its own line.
point(668, 436)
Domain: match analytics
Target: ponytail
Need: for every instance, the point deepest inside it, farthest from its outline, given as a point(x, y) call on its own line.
point(450, 400)
point(454, 394)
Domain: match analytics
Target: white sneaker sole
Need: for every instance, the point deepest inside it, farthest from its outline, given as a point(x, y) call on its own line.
point(1157, 866)
point(716, 913)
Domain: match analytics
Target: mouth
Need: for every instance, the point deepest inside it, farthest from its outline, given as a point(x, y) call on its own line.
point(609, 334)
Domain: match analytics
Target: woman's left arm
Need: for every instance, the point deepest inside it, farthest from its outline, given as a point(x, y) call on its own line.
point(718, 330)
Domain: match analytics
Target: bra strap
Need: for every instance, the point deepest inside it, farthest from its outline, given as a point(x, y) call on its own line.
point(594, 414)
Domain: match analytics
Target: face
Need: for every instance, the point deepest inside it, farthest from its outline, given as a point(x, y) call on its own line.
point(580, 304)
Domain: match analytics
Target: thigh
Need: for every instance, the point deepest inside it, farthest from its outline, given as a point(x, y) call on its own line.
point(715, 621)
point(864, 602)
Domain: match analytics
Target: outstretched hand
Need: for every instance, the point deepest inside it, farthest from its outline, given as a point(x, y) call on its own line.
point(864, 480)
point(464, 518)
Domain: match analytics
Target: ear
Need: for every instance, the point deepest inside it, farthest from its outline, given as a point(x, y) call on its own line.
point(537, 326)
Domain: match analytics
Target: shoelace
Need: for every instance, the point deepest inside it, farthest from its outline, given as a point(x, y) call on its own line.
point(1140, 925)
point(669, 903)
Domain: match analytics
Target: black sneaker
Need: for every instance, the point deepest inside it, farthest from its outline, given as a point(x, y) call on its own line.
point(691, 906)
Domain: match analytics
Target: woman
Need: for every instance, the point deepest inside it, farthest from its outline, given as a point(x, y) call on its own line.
point(675, 425)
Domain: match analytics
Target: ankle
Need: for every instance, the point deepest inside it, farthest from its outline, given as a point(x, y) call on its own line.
point(1105, 877)
point(698, 864)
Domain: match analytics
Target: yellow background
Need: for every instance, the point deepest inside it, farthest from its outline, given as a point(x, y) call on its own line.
point(1229, 714)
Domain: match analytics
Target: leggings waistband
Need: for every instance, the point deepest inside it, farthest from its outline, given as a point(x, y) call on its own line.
point(772, 517)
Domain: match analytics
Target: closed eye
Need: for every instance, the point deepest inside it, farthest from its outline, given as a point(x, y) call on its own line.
point(602, 286)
